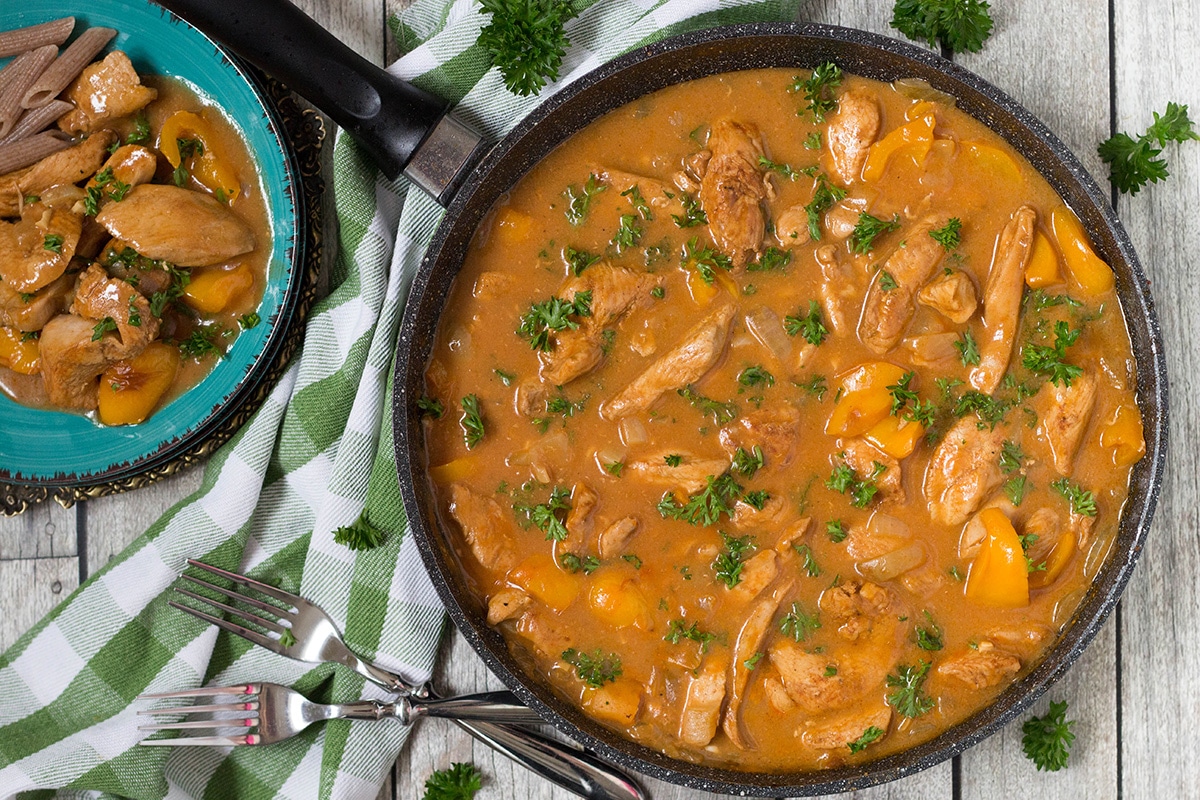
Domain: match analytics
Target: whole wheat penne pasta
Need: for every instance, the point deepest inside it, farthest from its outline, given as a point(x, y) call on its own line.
point(30, 150)
point(25, 69)
point(36, 120)
point(24, 39)
point(66, 67)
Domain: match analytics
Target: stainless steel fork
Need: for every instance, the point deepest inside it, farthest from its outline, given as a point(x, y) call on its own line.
point(314, 638)
point(275, 713)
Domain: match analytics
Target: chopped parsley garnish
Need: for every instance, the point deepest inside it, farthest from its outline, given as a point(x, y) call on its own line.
point(1015, 489)
point(658, 293)
point(673, 460)
point(135, 316)
point(628, 234)
point(868, 229)
point(706, 260)
point(909, 700)
point(53, 242)
point(949, 236)
point(596, 669)
point(783, 169)
point(505, 377)
point(1011, 457)
point(141, 130)
point(1082, 501)
point(929, 638)
point(752, 661)
point(809, 561)
point(359, 535)
point(102, 327)
point(201, 343)
point(886, 281)
point(818, 90)
point(1047, 740)
point(990, 410)
point(871, 734)
point(550, 516)
point(748, 463)
point(1042, 300)
point(180, 175)
point(722, 413)
point(835, 529)
point(1133, 163)
point(287, 638)
point(968, 349)
point(772, 259)
point(248, 321)
point(757, 499)
point(824, 196)
point(551, 315)
point(1049, 360)
point(706, 506)
point(677, 631)
point(815, 386)
point(430, 407)
point(693, 214)
point(614, 468)
point(459, 782)
point(755, 376)
point(813, 141)
point(810, 326)
point(471, 421)
point(573, 563)
point(797, 624)
point(958, 26)
point(580, 200)
point(638, 202)
point(843, 479)
point(632, 559)
point(901, 394)
point(578, 260)
point(561, 404)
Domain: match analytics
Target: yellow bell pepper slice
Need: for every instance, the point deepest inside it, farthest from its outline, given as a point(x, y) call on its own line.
point(1042, 270)
point(1086, 269)
point(1124, 437)
point(131, 390)
point(914, 139)
point(993, 162)
point(19, 354)
point(207, 167)
point(998, 576)
point(211, 291)
point(862, 399)
point(512, 227)
point(616, 601)
point(896, 436)
point(453, 471)
point(540, 577)
point(1056, 562)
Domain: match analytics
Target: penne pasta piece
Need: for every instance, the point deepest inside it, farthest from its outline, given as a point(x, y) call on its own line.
point(66, 67)
point(30, 150)
point(20, 74)
point(22, 40)
point(36, 120)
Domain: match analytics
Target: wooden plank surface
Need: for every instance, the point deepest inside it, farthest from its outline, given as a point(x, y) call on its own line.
point(1136, 692)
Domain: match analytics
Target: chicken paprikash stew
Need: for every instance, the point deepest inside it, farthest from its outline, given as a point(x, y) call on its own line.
point(781, 421)
point(134, 235)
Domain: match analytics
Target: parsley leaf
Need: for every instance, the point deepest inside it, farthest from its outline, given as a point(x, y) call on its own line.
point(595, 670)
point(677, 631)
point(755, 376)
point(693, 214)
point(818, 90)
point(1082, 502)
point(886, 281)
point(549, 517)
point(908, 699)
point(706, 260)
point(638, 202)
point(102, 327)
point(798, 624)
point(53, 242)
point(430, 407)
point(835, 529)
point(862, 239)
point(1133, 162)
point(471, 421)
point(722, 413)
point(783, 169)
point(673, 460)
point(968, 349)
point(949, 236)
point(1015, 489)
point(706, 506)
point(810, 562)
point(929, 638)
point(550, 315)
point(728, 564)
point(359, 535)
point(573, 563)
point(772, 259)
point(871, 734)
point(1049, 360)
point(580, 200)
point(748, 463)
point(525, 39)
point(824, 196)
point(810, 326)
point(959, 26)
point(460, 782)
point(1047, 740)
point(628, 234)
point(578, 260)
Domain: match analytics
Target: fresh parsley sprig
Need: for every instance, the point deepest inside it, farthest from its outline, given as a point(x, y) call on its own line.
point(818, 90)
point(1047, 740)
point(553, 315)
point(359, 535)
point(810, 326)
point(458, 782)
point(909, 699)
point(959, 26)
point(595, 669)
point(526, 40)
point(1133, 163)
point(868, 229)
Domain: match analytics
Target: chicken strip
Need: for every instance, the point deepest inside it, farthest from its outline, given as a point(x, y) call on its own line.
point(838, 291)
point(703, 696)
point(953, 296)
point(691, 475)
point(982, 667)
point(747, 646)
point(775, 430)
point(1064, 413)
point(733, 189)
point(1002, 300)
point(852, 131)
point(483, 523)
point(653, 191)
point(964, 470)
point(107, 90)
point(35, 251)
point(889, 304)
point(688, 361)
point(837, 734)
point(64, 167)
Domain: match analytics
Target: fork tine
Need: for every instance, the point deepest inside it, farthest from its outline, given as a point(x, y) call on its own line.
point(269, 591)
point(214, 724)
point(209, 709)
point(202, 691)
point(249, 616)
point(247, 599)
point(212, 741)
point(253, 636)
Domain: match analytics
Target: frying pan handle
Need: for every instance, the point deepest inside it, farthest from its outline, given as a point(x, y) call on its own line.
point(403, 128)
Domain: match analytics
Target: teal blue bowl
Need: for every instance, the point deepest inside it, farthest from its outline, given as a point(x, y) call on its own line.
point(57, 449)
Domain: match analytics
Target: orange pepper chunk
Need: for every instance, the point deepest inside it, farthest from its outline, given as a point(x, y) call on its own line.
point(207, 167)
point(512, 227)
point(999, 576)
point(616, 600)
point(896, 436)
point(1084, 267)
point(131, 390)
point(992, 162)
point(451, 472)
point(862, 399)
point(1042, 270)
point(913, 139)
point(1055, 563)
point(1123, 435)
point(214, 290)
point(18, 353)
point(540, 577)
point(616, 702)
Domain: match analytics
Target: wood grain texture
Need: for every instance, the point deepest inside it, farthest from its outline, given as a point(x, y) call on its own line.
point(1039, 54)
point(1157, 59)
point(29, 588)
point(46, 531)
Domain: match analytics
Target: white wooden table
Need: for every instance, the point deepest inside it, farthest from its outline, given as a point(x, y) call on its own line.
point(1087, 68)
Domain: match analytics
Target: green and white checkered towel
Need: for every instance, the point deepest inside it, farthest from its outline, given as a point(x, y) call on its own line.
point(317, 453)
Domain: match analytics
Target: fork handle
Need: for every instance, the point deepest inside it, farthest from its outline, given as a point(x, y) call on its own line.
point(577, 771)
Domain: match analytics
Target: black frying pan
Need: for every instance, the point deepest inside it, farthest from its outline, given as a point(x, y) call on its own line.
point(311, 64)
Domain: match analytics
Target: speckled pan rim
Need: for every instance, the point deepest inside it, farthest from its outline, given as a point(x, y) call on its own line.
point(728, 49)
